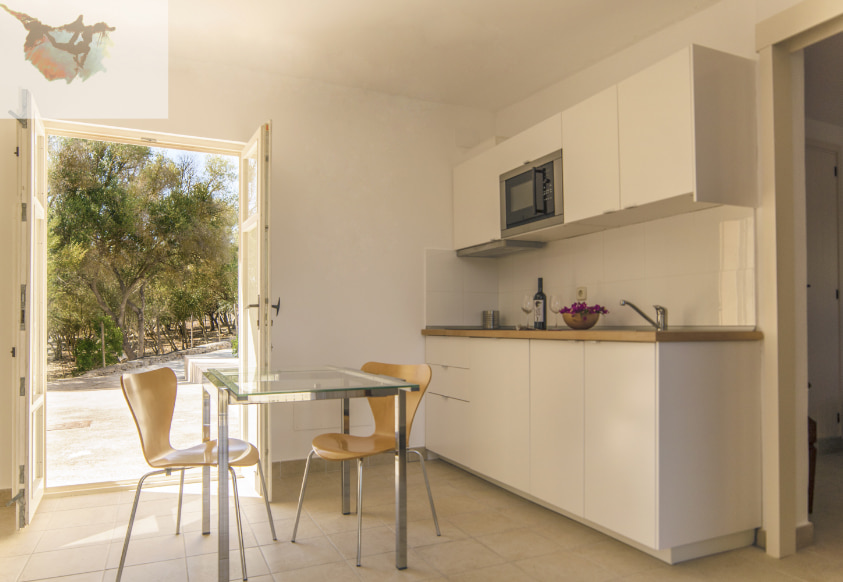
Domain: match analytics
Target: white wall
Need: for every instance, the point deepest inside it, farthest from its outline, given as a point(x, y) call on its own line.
point(361, 185)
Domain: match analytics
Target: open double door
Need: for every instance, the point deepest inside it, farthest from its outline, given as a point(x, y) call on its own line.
point(30, 351)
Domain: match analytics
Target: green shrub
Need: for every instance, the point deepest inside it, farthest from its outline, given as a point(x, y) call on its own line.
point(234, 346)
point(88, 352)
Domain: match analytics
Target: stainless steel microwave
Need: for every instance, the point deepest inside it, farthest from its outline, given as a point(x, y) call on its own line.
point(531, 195)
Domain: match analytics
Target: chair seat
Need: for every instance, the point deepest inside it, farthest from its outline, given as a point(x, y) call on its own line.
point(342, 447)
point(240, 454)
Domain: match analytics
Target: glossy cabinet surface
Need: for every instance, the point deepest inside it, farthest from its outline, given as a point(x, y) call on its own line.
point(591, 172)
point(557, 423)
point(656, 443)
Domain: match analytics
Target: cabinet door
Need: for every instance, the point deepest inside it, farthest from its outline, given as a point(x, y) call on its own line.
point(656, 132)
point(556, 423)
point(446, 427)
point(620, 438)
point(590, 167)
point(500, 410)
point(477, 217)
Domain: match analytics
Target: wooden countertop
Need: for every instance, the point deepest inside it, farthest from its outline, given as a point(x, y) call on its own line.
point(688, 334)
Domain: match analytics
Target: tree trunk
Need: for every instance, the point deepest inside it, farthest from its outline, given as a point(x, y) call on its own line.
point(141, 328)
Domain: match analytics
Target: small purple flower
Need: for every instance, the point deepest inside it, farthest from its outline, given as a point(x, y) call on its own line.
point(584, 309)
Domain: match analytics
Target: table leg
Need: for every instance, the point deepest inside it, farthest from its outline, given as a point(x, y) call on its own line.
point(401, 480)
point(345, 466)
point(206, 471)
point(222, 483)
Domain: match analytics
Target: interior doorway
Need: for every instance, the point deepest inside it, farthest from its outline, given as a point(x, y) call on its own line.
point(823, 63)
point(142, 268)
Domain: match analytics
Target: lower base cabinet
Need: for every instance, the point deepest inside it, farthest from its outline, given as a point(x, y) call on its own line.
point(658, 444)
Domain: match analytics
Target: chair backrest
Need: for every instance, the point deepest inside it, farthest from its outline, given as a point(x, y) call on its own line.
point(383, 407)
point(151, 397)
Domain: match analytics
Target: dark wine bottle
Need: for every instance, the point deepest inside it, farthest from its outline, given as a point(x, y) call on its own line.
point(540, 308)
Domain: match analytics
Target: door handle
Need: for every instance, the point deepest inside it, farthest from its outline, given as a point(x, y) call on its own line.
point(277, 307)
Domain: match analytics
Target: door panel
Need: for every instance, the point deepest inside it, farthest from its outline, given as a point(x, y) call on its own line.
point(823, 305)
point(30, 417)
point(253, 328)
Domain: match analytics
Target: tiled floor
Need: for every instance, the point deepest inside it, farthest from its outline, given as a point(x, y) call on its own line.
point(487, 535)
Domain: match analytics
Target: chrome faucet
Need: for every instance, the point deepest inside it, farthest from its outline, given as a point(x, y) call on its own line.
point(661, 315)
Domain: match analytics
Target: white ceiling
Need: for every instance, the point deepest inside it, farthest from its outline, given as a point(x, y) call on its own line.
point(479, 53)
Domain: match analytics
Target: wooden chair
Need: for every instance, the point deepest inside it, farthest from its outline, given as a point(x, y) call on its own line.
point(151, 397)
point(343, 447)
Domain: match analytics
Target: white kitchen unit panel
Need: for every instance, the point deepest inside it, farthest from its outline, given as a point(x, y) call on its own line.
point(500, 410)
point(620, 438)
point(687, 126)
point(477, 211)
point(709, 447)
point(556, 423)
point(591, 171)
point(446, 427)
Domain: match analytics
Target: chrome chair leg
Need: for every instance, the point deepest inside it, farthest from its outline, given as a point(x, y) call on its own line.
point(132, 521)
point(359, 507)
point(266, 500)
point(427, 484)
point(239, 526)
point(178, 512)
point(301, 495)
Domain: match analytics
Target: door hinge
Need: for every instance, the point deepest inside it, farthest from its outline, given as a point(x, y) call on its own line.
point(23, 386)
point(837, 293)
point(22, 474)
point(23, 307)
point(17, 151)
point(13, 352)
point(23, 211)
point(835, 171)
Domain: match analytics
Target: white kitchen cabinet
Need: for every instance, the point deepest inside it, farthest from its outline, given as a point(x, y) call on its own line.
point(672, 444)
point(448, 398)
point(557, 423)
point(500, 410)
point(476, 182)
point(590, 156)
point(687, 127)
point(620, 438)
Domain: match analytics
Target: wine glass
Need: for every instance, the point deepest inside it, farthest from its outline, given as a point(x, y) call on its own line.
point(527, 306)
point(556, 307)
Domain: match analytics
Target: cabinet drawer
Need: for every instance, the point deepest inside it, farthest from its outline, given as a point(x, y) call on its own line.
point(446, 428)
point(450, 382)
point(448, 351)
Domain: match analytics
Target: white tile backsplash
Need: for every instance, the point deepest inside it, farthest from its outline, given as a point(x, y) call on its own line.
point(701, 266)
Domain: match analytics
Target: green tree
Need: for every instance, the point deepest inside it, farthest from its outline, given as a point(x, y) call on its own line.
point(125, 215)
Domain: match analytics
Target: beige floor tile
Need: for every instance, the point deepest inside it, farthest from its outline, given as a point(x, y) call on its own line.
point(284, 530)
point(376, 540)
point(74, 537)
point(381, 568)
point(452, 505)
point(286, 556)
point(86, 577)
point(744, 565)
point(459, 556)
point(501, 573)
point(84, 516)
point(11, 567)
point(569, 534)
point(171, 571)
point(564, 565)
point(65, 562)
point(422, 533)
point(619, 558)
point(479, 523)
point(204, 567)
point(518, 544)
point(335, 572)
point(335, 522)
point(146, 550)
point(20, 543)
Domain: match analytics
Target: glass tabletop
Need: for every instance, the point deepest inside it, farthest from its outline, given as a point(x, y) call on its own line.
point(318, 383)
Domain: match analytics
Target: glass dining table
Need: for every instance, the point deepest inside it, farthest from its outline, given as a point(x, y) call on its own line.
point(298, 385)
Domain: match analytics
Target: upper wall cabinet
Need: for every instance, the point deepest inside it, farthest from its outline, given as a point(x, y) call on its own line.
point(590, 169)
point(676, 137)
point(477, 214)
point(686, 125)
